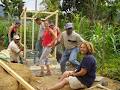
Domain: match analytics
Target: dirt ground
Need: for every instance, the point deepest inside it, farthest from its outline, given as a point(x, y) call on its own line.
point(49, 81)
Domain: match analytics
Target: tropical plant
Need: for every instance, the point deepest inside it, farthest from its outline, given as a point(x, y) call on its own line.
point(13, 7)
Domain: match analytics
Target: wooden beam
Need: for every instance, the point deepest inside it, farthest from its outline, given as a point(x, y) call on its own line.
point(23, 12)
point(25, 34)
point(32, 11)
point(27, 18)
point(16, 76)
point(21, 31)
point(33, 29)
point(51, 14)
point(35, 14)
point(56, 24)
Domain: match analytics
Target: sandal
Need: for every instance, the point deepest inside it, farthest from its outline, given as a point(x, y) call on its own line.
point(40, 74)
point(48, 73)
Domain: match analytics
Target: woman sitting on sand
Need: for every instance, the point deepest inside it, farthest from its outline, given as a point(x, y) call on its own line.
point(84, 75)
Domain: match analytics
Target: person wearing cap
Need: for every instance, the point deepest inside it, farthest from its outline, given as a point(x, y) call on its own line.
point(71, 41)
point(38, 46)
point(16, 49)
point(13, 30)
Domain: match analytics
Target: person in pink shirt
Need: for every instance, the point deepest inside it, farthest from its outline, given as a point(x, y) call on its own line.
point(48, 41)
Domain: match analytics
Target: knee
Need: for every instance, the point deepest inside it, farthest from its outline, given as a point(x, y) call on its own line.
point(66, 73)
point(71, 60)
point(65, 81)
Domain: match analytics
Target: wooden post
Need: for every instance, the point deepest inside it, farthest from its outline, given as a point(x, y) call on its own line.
point(16, 76)
point(33, 25)
point(21, 32)
point(25, 34)
point(51, 14)
point(56, 24)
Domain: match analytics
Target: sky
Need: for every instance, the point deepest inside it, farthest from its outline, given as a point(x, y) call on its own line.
point(30, 4)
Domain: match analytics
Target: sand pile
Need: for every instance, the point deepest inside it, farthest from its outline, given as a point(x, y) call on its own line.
point(7, 82)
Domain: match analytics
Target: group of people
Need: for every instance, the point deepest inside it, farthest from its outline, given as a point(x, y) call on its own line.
point(15, 47)
point(50, 36)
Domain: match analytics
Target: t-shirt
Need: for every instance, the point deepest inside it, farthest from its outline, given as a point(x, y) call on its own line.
point(14, 51)
point(89, 63)
point(47, 37)
point(41, 31)
point(72, 40)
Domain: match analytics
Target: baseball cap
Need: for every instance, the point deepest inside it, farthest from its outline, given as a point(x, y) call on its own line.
point(16, 37)
point(68, 25)
point(52, 24)
point(17, 22)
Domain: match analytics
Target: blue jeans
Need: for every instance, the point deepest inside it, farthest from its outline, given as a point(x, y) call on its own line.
point(39, 48)
point(70, 55)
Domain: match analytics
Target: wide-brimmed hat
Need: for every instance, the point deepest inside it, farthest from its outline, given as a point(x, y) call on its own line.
point(16, 37)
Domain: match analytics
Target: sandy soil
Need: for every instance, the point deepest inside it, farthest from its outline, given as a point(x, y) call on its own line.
point(49, 81)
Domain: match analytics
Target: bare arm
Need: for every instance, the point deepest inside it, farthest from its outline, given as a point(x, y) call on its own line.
point(9, 33)
point(54, 34)
point(59, 34)
point(82, 72)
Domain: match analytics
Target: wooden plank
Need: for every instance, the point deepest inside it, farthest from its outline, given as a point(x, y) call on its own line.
point(33, 11)
point(25, 34)
point(33, 29)
point(51, 14)
point(16, 76)
point(21, 31)
point(35, 15)
point(27, 18)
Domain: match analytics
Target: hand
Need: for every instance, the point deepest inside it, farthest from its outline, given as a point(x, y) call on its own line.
point(71, 74)
point(50, 45)
point(21, 49)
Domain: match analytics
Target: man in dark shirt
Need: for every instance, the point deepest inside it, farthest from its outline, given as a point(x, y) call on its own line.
point(89, 64)
point(85, 73)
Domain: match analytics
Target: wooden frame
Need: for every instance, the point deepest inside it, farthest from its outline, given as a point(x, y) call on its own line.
point(24, 17)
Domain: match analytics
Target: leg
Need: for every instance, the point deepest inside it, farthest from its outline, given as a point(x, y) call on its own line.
point(73, 57)
point(59, 85)
point(48, 69)
point(42, 70)
point(42, 60)
point(38, 47)
point(46, 60)
point(65, 75)
point(63, 61)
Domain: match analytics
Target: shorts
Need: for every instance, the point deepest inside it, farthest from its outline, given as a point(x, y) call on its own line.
point(75, 83)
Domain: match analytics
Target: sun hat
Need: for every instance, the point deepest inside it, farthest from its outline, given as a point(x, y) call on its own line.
point(16, 37)
point(68, 25)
